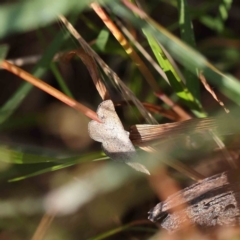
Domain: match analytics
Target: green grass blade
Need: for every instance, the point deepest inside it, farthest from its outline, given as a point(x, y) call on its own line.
point(27, 15)
point(45, 170)
point(10, 155)
point(121, 229)
point(217, 23)
point(110, 233)
point(180, 88)
point(187, 35)
point(224, 8)
point(60, 80)
point(102, 39)
point(69, 162)
point(20, 121)
point(3, 52)
point(9, 107)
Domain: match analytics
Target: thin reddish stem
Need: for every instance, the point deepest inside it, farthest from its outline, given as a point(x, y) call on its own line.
point(50, 90)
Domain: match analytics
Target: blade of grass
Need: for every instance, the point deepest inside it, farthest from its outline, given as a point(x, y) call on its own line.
point(217, 23)
point(187, 35)
point(28, 15)
point(18, 157)
point(119, 229)
point(177, 84)
point(10, 155)
point(102, 39)
point(53, 66)
point(60, 80)
point(22, 121)
point(70, 162)
point(3, 52)
point(45, 170)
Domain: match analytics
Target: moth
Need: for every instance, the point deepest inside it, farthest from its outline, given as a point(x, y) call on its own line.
point(210, 202)
point(115, 140)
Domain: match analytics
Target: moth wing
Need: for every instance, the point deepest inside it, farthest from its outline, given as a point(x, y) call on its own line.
point(108, 115)
point(95, 132)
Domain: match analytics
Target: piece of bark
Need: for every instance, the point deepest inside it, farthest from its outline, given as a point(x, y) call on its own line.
point(210, 202)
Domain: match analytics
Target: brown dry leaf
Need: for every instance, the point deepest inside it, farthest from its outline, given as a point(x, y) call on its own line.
point(93, 70)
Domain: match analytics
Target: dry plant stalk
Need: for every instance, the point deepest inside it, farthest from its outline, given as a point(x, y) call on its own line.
point(50, 90)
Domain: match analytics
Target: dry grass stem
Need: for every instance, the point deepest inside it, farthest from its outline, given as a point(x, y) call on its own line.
point(50, 90)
